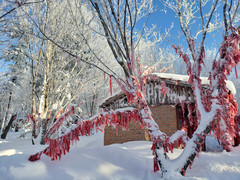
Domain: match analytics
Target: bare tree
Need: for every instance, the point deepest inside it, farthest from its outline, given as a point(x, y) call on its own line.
point(57, 79)
point(16, 99)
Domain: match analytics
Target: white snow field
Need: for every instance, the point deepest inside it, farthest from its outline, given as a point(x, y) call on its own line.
point(90, 160)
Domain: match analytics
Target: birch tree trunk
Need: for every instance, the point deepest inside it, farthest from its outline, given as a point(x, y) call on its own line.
point(43, 107)
point(7, 128)
point(34, 77)
point(7, 111)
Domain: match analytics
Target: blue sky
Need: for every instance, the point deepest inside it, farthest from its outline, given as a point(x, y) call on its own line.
point(164, 19)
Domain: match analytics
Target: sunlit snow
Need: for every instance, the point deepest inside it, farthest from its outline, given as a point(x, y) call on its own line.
point(89, 159)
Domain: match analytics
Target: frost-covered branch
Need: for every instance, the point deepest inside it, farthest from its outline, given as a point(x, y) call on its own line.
point(213, 108)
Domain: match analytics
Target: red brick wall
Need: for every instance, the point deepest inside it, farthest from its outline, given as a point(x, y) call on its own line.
point(165, 117)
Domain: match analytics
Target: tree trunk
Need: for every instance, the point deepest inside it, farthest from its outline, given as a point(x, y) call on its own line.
point(6, 116)
point(5, 131)
point(193, 155)
point(44, 131)
point(44, 101)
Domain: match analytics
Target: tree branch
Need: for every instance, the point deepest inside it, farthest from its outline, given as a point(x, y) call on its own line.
point(18, 5)
point(225, 17)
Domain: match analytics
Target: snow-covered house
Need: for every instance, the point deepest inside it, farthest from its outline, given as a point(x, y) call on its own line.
point(171, 103)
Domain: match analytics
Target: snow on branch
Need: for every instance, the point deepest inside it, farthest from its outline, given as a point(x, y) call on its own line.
point(60, 145)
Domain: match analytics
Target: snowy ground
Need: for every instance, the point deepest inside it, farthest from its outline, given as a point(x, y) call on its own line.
point(90, 160)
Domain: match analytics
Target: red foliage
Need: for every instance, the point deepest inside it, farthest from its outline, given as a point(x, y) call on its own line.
point(61, 145)
point(188, 118)
point(223, 124)
point(155, 164)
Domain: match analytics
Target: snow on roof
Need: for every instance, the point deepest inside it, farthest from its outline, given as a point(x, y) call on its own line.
point(184, 78)
point(115, 96)
point(168, 76)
